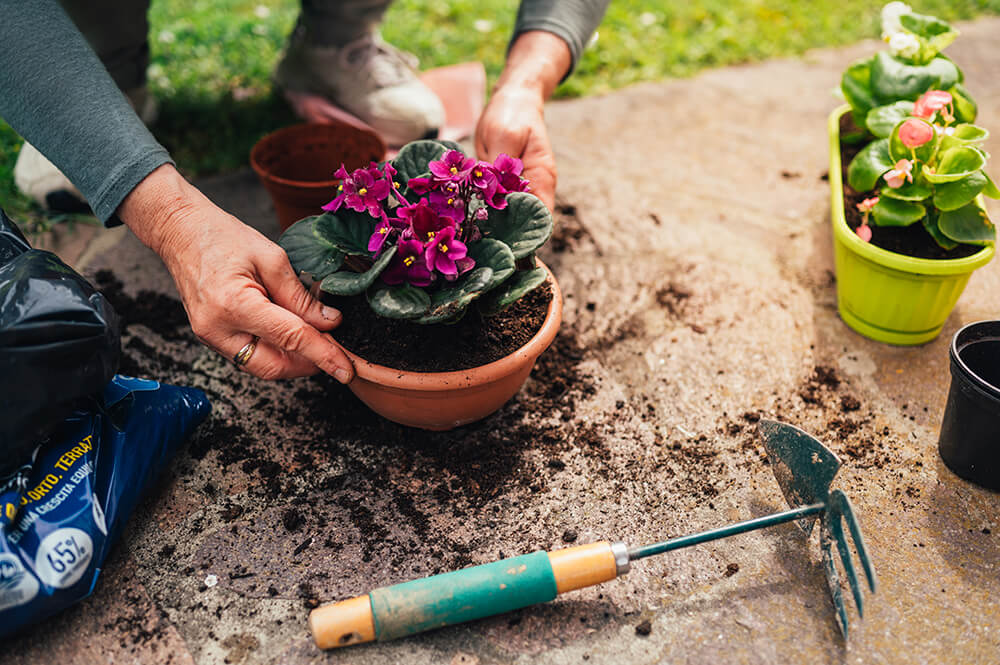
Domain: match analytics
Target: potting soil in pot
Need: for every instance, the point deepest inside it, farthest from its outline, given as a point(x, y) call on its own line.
point(910, 240)
point(472, 341)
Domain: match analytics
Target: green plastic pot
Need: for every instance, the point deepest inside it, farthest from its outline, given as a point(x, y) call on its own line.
point(883, 295)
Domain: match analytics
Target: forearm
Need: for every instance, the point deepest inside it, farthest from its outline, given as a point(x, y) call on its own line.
point(58, 96)
point(537, 62)
point(573, 21)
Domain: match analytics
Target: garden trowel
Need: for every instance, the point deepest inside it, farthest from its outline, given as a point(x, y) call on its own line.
point(803, 466)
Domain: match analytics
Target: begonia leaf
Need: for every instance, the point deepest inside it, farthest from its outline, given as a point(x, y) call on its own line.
point(495, 254)
point(348, 283)
point(893, 80)
point(893, 212)
point(451, 300)
point(955, 164)
point(930, 224)
point(991, 190)
point(345, 230)
point(398, 302)
point(969, 224)
point(965, 106)
point(524, 225)
point(523, 282)
point(956, 194)
point(964, 134)
point(307, 252)
point(868, 165)
point(883, 119)
point(856, 86)
point(910, 191)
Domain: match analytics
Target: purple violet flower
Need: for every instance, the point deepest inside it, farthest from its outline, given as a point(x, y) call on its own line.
point(444, 251)
point(383, 230)
point(423, 220)
point(453, 167)
point(484, 180)
point(420, 186)
point(508, 170)
point(363, 191)
point(408, 265)
point(448, 205)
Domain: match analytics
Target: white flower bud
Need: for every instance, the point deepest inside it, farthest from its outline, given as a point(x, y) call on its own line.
point(904, 44)
point(890, 17)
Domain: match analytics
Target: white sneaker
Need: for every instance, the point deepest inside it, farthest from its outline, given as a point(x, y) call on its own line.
point(39, 178)
point(369, 78)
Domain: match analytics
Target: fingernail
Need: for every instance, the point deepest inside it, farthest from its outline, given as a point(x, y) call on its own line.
point(330, 313)
point(342, 375)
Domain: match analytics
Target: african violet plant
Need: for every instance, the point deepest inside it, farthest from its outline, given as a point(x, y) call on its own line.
point(425, 235)
point(926, 152)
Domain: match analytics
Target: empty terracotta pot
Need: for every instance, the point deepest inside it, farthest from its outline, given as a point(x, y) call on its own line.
point(444, 400)
point(296, 164)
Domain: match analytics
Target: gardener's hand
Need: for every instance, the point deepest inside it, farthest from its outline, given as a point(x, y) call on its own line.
point(234, 282)
point(514, 121)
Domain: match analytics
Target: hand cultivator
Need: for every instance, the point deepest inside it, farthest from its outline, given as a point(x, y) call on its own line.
point(803, 467)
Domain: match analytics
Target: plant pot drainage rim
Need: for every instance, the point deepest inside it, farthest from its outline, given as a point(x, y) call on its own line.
point(883, 257)
point(458, 379)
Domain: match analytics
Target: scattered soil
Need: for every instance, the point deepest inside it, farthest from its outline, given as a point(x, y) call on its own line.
point(910, 240)
point(644, 628)
point(473, 341)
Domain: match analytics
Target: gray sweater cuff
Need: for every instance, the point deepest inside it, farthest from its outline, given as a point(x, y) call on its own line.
point(574, 21)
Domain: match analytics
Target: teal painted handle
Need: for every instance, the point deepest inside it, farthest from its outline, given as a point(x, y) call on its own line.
point(463, 595)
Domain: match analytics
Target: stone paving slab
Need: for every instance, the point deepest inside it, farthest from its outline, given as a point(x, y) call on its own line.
point(695, 255)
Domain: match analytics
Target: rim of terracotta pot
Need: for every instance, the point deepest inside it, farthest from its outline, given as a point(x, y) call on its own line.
point(473, 376)
point(884, 257)
point(262, 143)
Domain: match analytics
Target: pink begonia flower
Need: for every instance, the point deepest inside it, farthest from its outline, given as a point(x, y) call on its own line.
point(902, 171)
point(914, 133)
point(864, 232)
point(868, 204)
point(930, 103)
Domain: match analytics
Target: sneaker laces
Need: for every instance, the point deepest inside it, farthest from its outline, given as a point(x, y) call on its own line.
point(382, 63)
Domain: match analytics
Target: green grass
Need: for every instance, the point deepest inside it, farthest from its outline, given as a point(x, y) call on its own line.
point(212, 59)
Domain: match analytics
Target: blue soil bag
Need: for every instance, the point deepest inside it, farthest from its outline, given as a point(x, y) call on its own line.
point(78, 444)
point(63, 511)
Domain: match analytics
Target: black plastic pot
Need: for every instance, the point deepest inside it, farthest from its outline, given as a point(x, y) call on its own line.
point(970, 433)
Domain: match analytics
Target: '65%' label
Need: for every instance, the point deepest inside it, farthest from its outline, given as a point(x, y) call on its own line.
point(63, 556)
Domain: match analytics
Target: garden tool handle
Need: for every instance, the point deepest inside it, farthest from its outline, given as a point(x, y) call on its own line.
point(464, 595)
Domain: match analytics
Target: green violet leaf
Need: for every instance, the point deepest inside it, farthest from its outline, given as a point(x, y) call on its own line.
point(346, 230)
point(523, 282)
point(494, 254)
point(307, 252)
point(348, 283)
point(450, 301)
point(524, 225)
point(398, 302)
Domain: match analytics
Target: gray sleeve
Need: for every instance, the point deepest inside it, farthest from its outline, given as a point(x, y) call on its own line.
point(572, 20)
point(57, 95)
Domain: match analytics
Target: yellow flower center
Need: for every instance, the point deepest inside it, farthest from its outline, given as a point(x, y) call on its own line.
point(443, 247)
point(395, 184)
point(479, 174)
point(340, 188)
point(454, 170)
point(451, 201)
point(362, 191)
point(408, 261)
point(431, 234)
point(383, 230)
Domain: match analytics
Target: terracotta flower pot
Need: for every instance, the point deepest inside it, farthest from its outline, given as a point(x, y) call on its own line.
point(444, 400)
point(296, 164)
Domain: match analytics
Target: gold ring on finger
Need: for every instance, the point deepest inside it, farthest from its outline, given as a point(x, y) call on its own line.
point(243, 356)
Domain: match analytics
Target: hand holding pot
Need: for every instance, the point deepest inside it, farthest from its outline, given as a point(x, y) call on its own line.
point(236, 285)
point(514, 121)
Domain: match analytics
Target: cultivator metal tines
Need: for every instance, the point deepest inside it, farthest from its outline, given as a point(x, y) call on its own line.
point(803, 467)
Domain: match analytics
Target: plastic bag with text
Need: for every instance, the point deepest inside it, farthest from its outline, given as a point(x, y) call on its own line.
point(64, 509)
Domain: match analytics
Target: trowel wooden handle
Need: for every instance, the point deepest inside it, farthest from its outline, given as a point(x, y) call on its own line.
point(464, 595)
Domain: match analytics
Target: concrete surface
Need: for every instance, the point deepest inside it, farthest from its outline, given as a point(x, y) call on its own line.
point(695, 255)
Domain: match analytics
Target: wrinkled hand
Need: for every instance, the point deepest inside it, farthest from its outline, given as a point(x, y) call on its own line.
point(514, 123)
point(235, 284)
